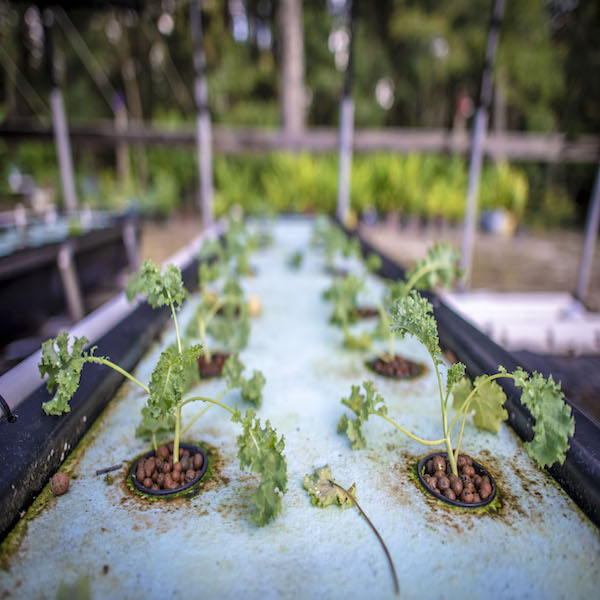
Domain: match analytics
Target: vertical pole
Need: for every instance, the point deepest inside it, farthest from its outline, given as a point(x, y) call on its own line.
point(591, 234)
point(203, 125)
point(70, 282)
point(292, 95)
point(478, 142)
point(120, 112)
point(59, 122)
point(346, 128)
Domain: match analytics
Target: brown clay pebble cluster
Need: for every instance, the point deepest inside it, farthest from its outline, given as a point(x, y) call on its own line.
point(397, 367)
point(467, 486)
point(158, 472)
point(59, 483)
point(366, 312)
point(212, 368)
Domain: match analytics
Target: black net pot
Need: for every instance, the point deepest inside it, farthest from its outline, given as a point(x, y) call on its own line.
point(479, 470)
point(193, 450)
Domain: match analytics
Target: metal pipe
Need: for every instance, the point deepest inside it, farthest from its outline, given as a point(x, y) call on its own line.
point(346, 127)
point(59, 122)
point(591, 234)
point(477, 146)
point(203, 124)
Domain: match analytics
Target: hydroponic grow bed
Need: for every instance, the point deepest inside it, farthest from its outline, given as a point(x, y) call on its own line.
point(535, 542)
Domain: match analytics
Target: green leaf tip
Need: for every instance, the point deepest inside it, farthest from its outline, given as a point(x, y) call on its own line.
point(371, 403)
point(63, 368)
point(323, 491)
point(413, 314)
point(439, 267)
point(487, 403)
point(168, 381)
point(160, 287)
point(554, 422)
point(260, 450)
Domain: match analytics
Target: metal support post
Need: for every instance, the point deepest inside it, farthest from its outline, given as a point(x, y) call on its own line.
point(346, 128)
point(478, 142)
point(591, 234)
point(59, 123)
point(203, 124)
point(70, 282)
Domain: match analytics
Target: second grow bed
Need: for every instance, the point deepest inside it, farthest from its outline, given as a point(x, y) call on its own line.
point(535, 542)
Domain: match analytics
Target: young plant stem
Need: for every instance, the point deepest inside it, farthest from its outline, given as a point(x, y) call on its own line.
point(203, 399)
point(465, 406)
point(410, 284)
point(447, 439)
point(154, 444)
point(178, 414)
point(362, 512)
point(177, 434)
point(204, 409)
point(176, 324)
point(108, 363)
point(411, 435)
point(203, 322)
point(386, 324)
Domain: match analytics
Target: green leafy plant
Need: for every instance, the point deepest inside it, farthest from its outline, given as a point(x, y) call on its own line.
point(294, 260)
point(225, 318)
point(259, 448)
point(554, 423)
point(324, 491)
point(439, 267)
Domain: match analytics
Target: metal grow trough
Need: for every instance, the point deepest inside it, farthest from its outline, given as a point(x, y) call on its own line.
point(53, 273)
point(536, 542)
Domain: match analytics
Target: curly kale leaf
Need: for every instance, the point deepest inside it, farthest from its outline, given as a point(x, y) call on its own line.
point(211, 249)
point(455, 374)
point(373, 262)
point(63, 369)
point(554, 422)
point(209, 271)
point(151, 426)
point(323, 491)
point(168, 381)
point(438, 267)
point(160, 287)
point(232, 371)
point(364, 341)
point(371, 403)
point(343, 295)
point(487, 403)
point(412, 314)
point(294, 260)
point(252, 389)
point(232, 329)
point(261, 451)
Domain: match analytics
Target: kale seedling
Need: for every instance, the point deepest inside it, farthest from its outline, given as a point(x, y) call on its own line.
point(258, 448)
point(439, 267)
point(554, 423)
point(324, 491)
point(231, 329)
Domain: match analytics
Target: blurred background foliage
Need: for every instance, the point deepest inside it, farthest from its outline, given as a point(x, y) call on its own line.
point(414, 61)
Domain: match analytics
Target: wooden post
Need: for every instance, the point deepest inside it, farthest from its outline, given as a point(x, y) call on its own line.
point(203, 124)
point(478, 141)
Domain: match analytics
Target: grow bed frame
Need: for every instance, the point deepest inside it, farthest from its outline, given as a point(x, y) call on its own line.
point(89, 259)
point(547, 547)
